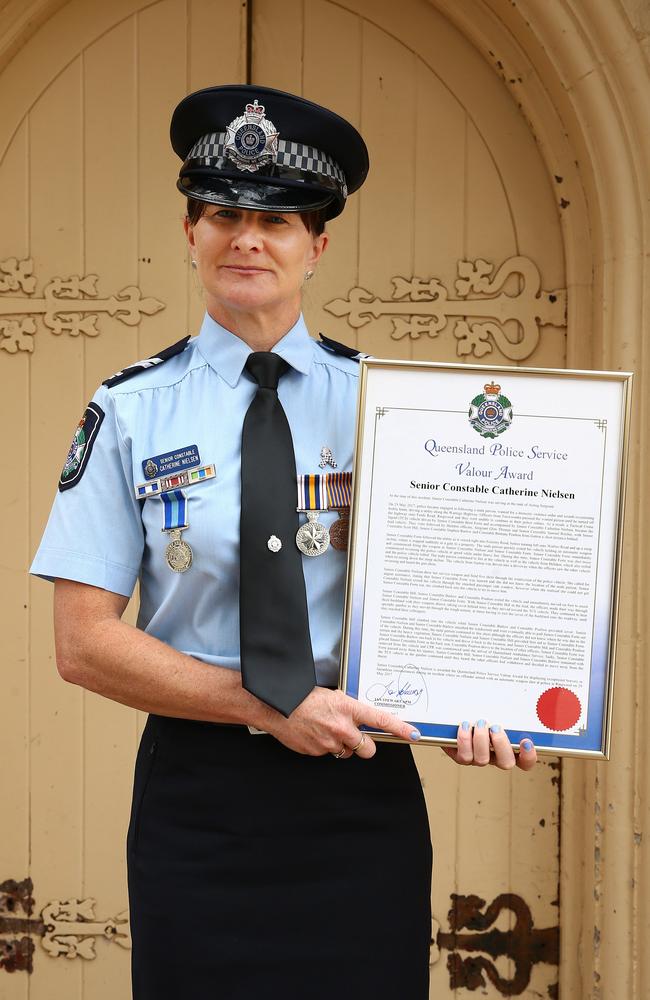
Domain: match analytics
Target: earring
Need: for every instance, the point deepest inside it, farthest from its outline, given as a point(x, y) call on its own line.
point(194, 263)
point(308, 275)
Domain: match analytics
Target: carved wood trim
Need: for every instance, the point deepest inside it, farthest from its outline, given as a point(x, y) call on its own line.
point(423, 306)
point(67, 928)
point(65, 305)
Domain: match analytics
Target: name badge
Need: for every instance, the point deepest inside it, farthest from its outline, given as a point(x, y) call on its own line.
point(173, 461)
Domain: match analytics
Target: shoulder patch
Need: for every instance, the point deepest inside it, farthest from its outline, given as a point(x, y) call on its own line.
point(81, 447)
point(334, 347)
point(140, 366)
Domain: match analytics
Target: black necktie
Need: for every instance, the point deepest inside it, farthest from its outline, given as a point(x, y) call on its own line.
point(277, 662)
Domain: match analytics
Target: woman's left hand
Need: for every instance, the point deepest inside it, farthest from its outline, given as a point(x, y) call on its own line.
point(480, 745)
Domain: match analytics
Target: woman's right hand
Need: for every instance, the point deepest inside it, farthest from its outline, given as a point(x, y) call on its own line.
point(328, 722)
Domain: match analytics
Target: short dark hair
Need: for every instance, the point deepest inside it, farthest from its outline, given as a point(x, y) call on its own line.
point(314, 220)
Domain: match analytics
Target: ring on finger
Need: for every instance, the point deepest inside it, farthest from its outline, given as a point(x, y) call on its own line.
point(342, 752)
point(359, 744)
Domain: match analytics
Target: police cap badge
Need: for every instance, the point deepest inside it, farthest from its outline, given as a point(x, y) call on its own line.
point(267, 150)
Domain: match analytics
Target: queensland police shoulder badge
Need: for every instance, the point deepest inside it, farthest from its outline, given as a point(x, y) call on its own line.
point(490, 413)
point(81, 447)
point(251, 139)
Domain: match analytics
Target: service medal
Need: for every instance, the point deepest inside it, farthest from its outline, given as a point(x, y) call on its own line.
point(178, 553)
point(340, 532)
point(312, 538)
point(339, 493)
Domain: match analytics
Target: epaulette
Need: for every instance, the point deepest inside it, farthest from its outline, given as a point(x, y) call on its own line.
point(334, 347)
point(140, 366)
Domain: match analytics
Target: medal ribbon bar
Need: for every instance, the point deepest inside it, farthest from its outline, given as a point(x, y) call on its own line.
point(339, 490)
point(188, 477)
point(312, 492)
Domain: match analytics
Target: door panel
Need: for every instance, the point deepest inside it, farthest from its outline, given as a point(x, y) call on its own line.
point(87, 189)
point(455, 176)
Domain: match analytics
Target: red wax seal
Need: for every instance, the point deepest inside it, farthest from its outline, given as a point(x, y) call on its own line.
point(558, 709)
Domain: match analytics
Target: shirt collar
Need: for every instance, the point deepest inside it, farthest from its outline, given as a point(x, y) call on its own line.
point(227, 353)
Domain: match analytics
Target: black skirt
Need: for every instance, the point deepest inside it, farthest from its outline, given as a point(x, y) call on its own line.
point(257, 871)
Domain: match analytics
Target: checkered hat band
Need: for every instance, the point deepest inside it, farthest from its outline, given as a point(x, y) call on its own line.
point(290, 154)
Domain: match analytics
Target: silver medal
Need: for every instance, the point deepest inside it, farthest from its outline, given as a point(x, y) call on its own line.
point(312, 538)
point(178, 553)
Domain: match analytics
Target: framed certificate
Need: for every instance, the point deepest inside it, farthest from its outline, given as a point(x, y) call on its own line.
point(486, 530)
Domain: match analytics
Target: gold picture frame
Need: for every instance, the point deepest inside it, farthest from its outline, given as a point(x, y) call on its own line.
point(492, 580)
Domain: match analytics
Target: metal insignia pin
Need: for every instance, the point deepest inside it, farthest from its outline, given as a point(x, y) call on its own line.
point(274, 544)
point(251, 139)
point(326, 457)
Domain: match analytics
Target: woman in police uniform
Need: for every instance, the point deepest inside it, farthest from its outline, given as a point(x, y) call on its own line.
point(297, 861)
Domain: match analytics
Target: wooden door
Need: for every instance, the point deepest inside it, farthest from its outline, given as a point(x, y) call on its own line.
point(457, 188)
point(89, 213)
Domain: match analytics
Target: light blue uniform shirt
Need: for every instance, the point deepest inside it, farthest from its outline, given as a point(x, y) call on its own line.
point(98, 532)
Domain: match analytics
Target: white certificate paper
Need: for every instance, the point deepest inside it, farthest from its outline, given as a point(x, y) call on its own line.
point(485, 544)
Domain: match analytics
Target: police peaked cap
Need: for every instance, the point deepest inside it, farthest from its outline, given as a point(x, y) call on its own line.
point(258, 148)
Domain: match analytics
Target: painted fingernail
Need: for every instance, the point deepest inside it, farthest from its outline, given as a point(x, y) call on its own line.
point(465, 726)
point(415, 735)
point(527, 745)
point(495, 729)
point(480, 724)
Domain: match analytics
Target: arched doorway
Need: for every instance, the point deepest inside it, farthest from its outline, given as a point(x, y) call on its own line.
point(462, 173)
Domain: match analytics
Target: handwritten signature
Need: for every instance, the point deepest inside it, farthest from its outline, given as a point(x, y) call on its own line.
point(407, 688)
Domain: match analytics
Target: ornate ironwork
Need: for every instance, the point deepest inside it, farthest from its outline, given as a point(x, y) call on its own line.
point(423, 306)
point(66, 305)
point(66, 927)
point(525, 945)
point(16, 953)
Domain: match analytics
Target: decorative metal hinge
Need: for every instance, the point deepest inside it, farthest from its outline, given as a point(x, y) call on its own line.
point(66, 305)
point(422, 306)
point(66, 927)
point(524, 944)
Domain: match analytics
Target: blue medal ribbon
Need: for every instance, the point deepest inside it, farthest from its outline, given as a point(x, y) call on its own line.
point(175, 510)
